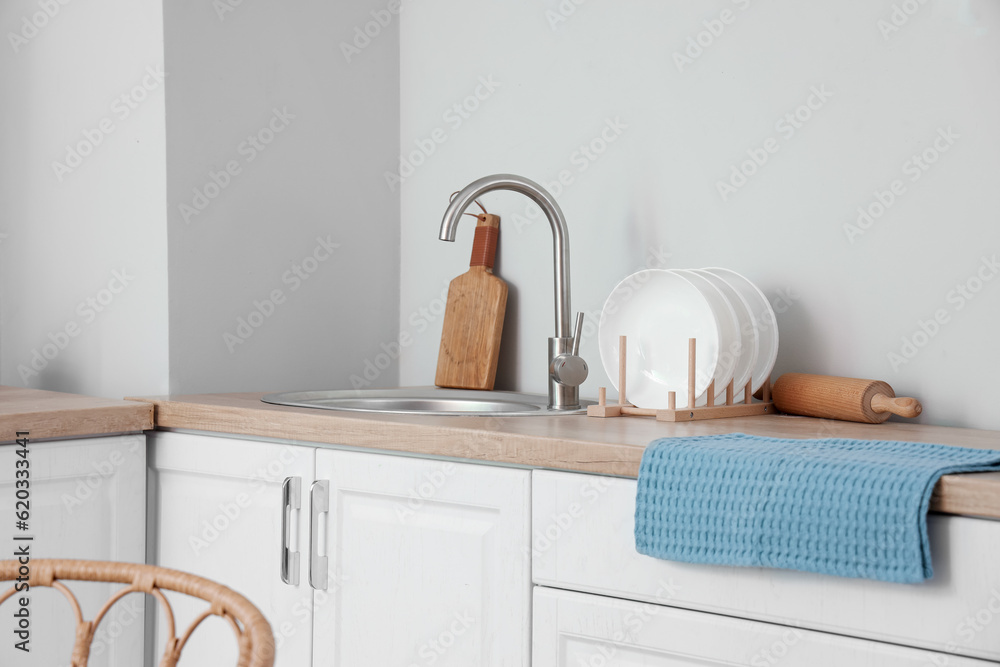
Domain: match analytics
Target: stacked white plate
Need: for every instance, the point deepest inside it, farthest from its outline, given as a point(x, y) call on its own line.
point(659, 310)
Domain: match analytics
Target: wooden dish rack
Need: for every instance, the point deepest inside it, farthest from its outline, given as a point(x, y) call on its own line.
point(691, 413)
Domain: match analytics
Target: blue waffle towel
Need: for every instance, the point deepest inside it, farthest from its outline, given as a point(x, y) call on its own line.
point(853, 508)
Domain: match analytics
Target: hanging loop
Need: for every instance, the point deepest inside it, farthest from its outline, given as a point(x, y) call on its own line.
point(474, 215)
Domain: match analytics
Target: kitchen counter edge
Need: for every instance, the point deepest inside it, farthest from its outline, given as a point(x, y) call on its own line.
point(574, 443)
point(48, 415)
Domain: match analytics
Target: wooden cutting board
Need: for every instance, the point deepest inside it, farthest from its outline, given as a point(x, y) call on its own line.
point(473, 318)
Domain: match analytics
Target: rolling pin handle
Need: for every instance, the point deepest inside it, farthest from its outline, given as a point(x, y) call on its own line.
point(902, 406)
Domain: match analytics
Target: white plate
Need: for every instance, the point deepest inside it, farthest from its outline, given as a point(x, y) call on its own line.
point(729, 330)
point(658, 311)
point(763, 319)
point(745, 350)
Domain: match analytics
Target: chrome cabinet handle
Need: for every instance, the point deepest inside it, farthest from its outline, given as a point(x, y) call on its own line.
point(291, 492)
point(320, 501)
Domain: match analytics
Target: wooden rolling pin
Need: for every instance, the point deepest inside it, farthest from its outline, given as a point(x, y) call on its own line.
point(849, 399)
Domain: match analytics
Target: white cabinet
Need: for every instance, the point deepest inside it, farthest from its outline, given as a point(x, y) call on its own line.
point(402, 561)
point(581, 630)
point(87, 502)
point(399, 560)
point(583, 540)
point(216, 510)
point(426, 563)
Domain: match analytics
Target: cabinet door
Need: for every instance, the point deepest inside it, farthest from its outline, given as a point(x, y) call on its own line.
point(87, 502)
point(583, 540)
point(216, 510)
point(427, 563)
point(579, 629)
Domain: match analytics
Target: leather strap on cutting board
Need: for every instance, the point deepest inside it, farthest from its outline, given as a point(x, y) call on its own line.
point(484, 246)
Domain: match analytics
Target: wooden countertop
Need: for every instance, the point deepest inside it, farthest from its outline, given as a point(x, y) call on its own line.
point(51, 414)
point(572, 442)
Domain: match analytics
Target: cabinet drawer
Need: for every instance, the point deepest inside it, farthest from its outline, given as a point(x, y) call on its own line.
point(582, 539)
point(574, 629)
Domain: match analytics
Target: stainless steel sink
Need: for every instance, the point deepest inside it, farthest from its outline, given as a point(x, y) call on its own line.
point(425, 401)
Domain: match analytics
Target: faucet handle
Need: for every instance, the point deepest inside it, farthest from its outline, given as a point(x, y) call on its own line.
point(577, 334)
point(569, 368)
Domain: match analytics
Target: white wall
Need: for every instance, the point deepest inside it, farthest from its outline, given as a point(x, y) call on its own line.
point(651, 199)
point(64, 232)
point(316, 184)
point(311, 201)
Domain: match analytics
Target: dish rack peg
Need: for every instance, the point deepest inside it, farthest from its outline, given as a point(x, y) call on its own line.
point(710, 410)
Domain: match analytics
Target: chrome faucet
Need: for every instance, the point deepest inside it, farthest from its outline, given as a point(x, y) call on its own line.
point(567, 370)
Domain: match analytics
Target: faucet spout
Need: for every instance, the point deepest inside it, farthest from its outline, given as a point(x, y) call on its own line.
point(560, 237)
point(567, 371)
